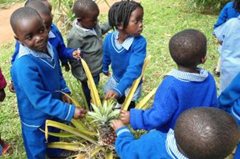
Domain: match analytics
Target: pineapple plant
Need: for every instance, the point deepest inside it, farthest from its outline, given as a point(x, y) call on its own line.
point(102, 116)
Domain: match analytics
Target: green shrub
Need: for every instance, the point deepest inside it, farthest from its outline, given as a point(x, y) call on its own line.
point(207, 6)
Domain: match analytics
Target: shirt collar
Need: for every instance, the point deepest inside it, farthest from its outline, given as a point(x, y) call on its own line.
point(189, 77)
point(127, 42)
point(84, 29)
point(171, 146)
point(51, 35)
point(23, 50)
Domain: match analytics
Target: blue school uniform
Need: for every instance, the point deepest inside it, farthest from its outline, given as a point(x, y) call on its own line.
point(178, 92)
point(226, 13)
point(229, 100)
point(126, 59)
point(37, 79)
point(153, 145)
point(229, 34)
point(57, 42)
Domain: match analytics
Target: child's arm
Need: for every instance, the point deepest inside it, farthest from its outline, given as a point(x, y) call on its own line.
point(105, 28)
point(164, 106)
point(222, 17)
point(106, 56)
point(150, 145)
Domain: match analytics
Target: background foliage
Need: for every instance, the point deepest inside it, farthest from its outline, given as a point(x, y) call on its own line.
point(162, 19)
point(207, 6)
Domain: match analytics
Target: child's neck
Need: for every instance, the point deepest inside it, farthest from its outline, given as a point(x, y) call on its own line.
point(188, 69)
point(122, 36)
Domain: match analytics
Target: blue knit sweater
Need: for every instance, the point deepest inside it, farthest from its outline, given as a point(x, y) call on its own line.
point(226, 13)
point(57, 42)
point(153, 145)
point(36, 79)
point(126, 63)
point(178, 92)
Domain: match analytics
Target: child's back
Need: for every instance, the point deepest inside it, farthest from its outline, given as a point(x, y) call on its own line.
point(183, 88)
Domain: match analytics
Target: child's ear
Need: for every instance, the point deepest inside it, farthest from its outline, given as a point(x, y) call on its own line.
point(203, 60)
point(120, 26)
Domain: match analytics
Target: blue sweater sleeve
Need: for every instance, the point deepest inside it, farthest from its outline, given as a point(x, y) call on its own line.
point(106, 54)
point(134, 68)
point(64, 52)
point(222, 16)
point(231, 95)
point(150, 145)
point(162, 110)
point(15, 53)
point(41, 99)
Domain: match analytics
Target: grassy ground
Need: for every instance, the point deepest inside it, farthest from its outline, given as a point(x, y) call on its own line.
point(162, 19)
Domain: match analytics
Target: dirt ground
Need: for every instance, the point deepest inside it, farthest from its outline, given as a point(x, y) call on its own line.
point(6, 34)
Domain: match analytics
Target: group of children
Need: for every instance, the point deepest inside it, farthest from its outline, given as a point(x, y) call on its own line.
point(180, 122)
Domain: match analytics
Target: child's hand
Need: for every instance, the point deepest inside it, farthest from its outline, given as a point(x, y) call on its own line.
point(125, 116)
point(111, 94)
point(11, 87)
point(79, 113)
point(66, 66)
point(66, 99)
point(116, 124)
point(2, 95)
point(77, 54)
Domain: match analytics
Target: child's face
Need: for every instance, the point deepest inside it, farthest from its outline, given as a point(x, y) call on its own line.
point(135, 24)
point(32, 34)
point(90, 20)
point(47, 20)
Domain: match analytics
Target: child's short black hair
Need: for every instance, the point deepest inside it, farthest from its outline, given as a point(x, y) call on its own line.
point(120, 13)
point(39, 7)
point(22, 14)
point(45, 2)
point(188, 47)
point(81, 7)
point(206, 133)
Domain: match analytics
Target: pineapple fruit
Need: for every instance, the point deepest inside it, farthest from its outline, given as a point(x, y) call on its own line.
point(102, 116)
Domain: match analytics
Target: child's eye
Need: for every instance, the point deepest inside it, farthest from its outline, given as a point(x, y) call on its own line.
point(29, 37)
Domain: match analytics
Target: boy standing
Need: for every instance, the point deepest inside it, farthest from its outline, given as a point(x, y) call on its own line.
point(37, 80)
point(86, 35)
point(183, 88)
point(200, 133)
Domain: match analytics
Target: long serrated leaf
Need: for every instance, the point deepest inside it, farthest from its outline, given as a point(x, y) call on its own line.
point(69, 129)
point(91, 84)
point(96, 150)
point(109, 155)
point(142, 103)
point(135, 85)
point(80, 126)
point(65, 146)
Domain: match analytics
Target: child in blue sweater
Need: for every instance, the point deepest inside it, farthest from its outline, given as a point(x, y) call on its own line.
point(43, 7)
point(183, 88)
point(200, 133)
point(229, 100)
point(37, 79)
point(124, 49)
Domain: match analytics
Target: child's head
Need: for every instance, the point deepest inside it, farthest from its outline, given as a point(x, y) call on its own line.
point(188, 48)
point(126, 16)
point(29, 29)
point(237, 5)
point(43, 11)
point(45, 2)
point(86, 12)
point(206, 133)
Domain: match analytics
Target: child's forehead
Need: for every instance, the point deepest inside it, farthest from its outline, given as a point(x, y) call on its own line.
point(28, 22)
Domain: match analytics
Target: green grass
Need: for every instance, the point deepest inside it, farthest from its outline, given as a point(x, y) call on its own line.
point(162, 19)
